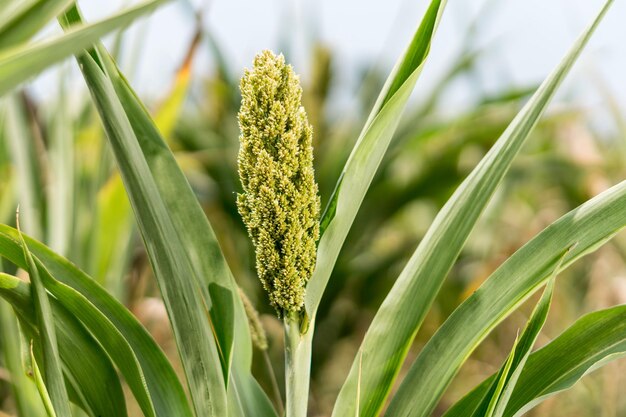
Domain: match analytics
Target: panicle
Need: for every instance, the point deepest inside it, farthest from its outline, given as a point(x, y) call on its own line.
point(279, 205)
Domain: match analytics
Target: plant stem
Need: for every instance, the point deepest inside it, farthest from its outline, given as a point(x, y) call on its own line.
point(297, 366)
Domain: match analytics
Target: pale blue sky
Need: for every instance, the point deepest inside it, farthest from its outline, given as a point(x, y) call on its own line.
point(525, 38)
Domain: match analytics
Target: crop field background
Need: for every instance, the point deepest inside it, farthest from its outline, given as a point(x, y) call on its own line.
point(186, 60)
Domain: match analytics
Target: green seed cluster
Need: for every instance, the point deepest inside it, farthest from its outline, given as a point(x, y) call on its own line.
point(279, 205)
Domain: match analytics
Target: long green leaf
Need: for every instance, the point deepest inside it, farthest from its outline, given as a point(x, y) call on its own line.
point(14, 133)
point(495, 402)
point(19, 64)
point(368, 152)
point(180, 290)
point(593, 341)
point(24, 392)
point(196, 234)
point(28, 19)
point(491, 399)
point(164, 189)
point(107, 335)
point(401, 314)
point(99, 396)
point(166, 392)
point(357, 175)
point(590, 225)
point(45, 322)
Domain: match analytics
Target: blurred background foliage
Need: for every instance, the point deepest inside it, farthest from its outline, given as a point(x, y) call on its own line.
point(72, 198)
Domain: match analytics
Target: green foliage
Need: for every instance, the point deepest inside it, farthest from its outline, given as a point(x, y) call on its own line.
point(80, 187)
point(20, 60)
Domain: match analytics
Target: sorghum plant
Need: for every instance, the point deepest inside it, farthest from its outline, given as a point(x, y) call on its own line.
point(81, 341)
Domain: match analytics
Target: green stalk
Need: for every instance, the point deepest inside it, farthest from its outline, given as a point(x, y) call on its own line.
point(297, 366)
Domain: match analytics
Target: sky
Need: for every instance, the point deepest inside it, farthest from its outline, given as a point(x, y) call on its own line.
point(522, 41)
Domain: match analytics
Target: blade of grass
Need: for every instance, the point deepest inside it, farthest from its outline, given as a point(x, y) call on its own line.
point(356, 177)
point(14, 131)
point(529, 337)
point(165, 189)
point(20, 63)
point(400, 316)
point(107, 335)
point(24, 392)
point(593, 341)
point(180, 290)
point(591, 225)
point(28, 19)
point(60, 188)
point(114, 228)
point(45, 322)
point(166, 392)
point(498, 386)
point(367, 154)
point(41, 385)
point(101, 396)
point(495, 402)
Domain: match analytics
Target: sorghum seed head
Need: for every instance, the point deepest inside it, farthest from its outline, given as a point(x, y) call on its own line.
point(279, 204)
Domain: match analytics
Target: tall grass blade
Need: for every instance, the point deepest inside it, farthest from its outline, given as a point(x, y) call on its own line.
point(161, 195)
point(60, 190)
point(495, 402)
point(41, 386)
point(180, 290)
point(200, 264)
point(367, 154)
point(590, 225)
point(401, 314)
point(24, 392)
point(109, 322)
point(101, 396)
point(45, 322)
point(22, 149)
point(114, 230)
point(27, 19)
point(592, 342)
point(22, 62)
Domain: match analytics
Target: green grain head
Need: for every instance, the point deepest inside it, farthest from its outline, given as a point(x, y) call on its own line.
point(279, 204)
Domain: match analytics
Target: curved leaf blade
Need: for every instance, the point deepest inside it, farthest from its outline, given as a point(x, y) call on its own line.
point(591, 342)
point(19, 64)
point(166, 391)
point(409, 300)
point(26, 397)
point(187, 310)
point(590, 226)
point(27, 19)
point(367, 154)
point(41, 386)
point(54, 382)
point(496, 402)
point(165, 186)
point(101, 396)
